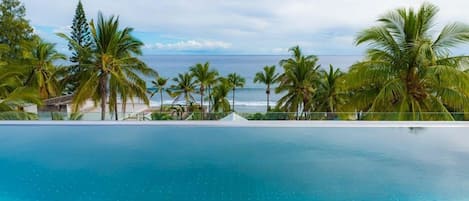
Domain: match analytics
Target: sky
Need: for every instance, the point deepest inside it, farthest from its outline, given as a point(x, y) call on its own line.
point(259, 27)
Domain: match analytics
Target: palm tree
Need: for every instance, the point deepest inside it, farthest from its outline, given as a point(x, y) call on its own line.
point(211, 83)
point(298, 81)
point(184, 87)
point(14, 96)
point(115, 69)
point(220, 94)
point(204, 77)
point(235, 81)
point(267, 77)
point(41, 73)
point(408, 71)
point(159, 86)
point(328, 95)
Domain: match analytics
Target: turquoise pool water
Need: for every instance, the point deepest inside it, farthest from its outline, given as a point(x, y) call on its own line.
point(158, 163)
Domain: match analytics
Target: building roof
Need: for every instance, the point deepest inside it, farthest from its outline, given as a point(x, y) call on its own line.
point(61, 100)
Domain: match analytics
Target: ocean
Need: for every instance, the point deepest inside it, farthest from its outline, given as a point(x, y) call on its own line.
point(252, 97)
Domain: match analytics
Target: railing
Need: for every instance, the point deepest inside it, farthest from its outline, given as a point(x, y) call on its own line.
point(265, 116)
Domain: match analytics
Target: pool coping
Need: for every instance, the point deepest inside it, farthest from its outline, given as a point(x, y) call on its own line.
point(286, 124)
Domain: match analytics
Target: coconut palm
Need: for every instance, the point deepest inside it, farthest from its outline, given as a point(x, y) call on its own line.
point(14, 96)
point(211, 83)
point(41, 71)
point(267, 77)
point(409, 72)
point(115, 69)
point(159, 86)
point(220, 96)
point(235, 81)
point(297, 82)
point(204, 77)
point(329, 96)
point(183, 88)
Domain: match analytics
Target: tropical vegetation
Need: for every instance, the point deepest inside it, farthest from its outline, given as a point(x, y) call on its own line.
point(408, 73)
point(267, 77)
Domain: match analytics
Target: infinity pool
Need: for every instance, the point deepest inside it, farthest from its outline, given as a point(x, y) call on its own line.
point(204, 163)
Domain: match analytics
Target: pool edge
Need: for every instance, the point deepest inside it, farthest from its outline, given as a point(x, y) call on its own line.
point(286, 124)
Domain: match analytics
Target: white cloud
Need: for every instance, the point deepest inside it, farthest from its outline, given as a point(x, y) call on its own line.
point(63, 29)
point(191, 45)
point(257, 26)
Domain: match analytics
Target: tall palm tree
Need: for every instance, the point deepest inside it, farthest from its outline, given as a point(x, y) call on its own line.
point(235, 81)
point(41, 71)
point(298, 81)
point(409, 72)
point(211, 83)
point(204, 77)
point(220, 94)
point(329, 96)
point(184, 87)
point(159, 85)
point(115, 62)
point(267, 77)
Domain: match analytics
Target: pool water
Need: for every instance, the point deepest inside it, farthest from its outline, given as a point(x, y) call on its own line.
point(163, 163)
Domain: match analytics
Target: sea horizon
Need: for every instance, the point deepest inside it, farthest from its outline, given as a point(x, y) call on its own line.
point(252, 97)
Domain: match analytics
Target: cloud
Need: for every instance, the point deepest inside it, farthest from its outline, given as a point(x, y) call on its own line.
point(191, 45)
point(63, 29)
point(249, 26)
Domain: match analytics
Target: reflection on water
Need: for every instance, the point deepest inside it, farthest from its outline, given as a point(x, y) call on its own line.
point(416, 130)
point(183, 163)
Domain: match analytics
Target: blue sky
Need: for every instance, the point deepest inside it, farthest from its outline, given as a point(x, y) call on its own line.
point(322, 27)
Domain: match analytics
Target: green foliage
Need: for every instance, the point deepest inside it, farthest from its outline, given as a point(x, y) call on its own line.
point(235, 81)
point(41, 70)
point(204, 77)
point(14, 97)
point(80, 34)
point(328, 96)
point(298, 82)
point(184, 87)
point(158, 86)
point(81, 46)
point(409, 72)
point(269, 116)
point(157, 116)
point(220, 96)
point(267, 77)
point(15, 31)
point(115, 70)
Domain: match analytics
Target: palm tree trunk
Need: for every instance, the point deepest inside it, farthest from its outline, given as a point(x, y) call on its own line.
point(115, 109)
point(161, 101)
point(268, 98)
point(233, 108)
point(209, 99)
point(202, 102)
point(102, 83)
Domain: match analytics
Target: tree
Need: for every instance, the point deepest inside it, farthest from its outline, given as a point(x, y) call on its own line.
point(14, 96)
point(184, 87)
point(220, 94)
point(159, 86)
point(267, 77)
point(15, 31)
point(298, 81)
point(41, 71)
point(115, 66)
point(81, 36)
point(204, 78)
point(407, 71)
point(235, 81)
point(329, 96)
point(80, 33)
